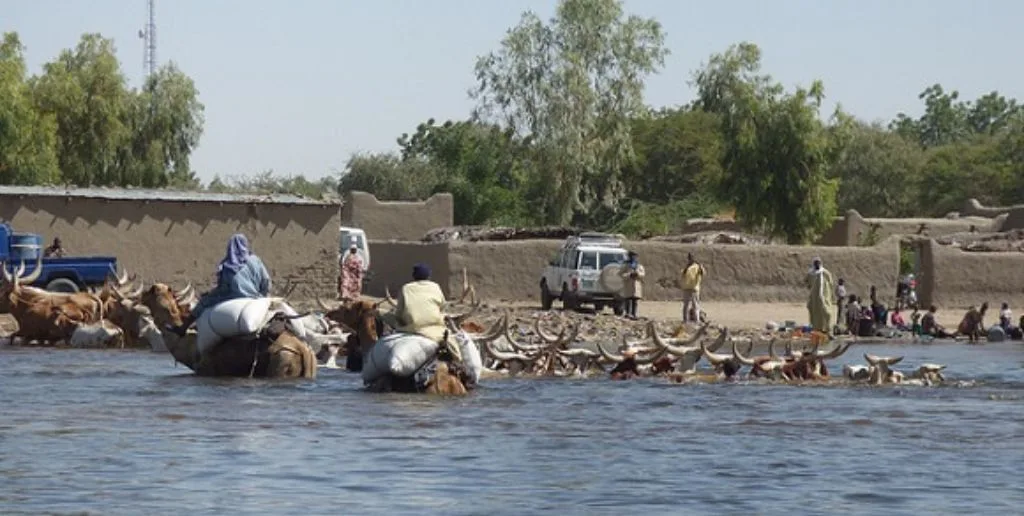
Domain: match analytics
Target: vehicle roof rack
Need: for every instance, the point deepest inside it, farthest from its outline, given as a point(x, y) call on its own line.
point(595, 239)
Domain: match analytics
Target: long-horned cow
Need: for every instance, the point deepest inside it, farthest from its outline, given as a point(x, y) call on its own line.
point(42, 316)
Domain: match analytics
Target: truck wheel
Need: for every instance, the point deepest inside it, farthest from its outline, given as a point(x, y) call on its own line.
point(62, 285)
point(598, 307)
point(546, 299)
point(617, 308)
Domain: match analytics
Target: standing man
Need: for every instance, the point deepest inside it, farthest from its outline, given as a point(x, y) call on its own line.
point(840, 299)
point(821, 298)
point(692, 274)
point(633, 284)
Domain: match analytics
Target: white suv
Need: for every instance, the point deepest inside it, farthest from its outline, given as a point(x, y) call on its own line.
point(585, 271)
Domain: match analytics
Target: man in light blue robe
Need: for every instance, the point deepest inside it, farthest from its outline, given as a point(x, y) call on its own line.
point(240, 274)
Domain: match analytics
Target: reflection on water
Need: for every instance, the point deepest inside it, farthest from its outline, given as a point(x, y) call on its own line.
point(127, 433)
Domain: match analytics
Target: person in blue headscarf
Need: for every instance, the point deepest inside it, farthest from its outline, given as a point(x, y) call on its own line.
point(240, 274)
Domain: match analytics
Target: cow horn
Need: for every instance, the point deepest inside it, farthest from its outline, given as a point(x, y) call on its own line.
point(876, 360)
point(547, 337)
point(508, 357)
point(496, 330)
point(180, 295)
point(836, 352)
point(678, 351)
point(577, 352)
point(564, 340)
point(323, 305)
point(743, 360)
point(609, 356)
point(388, 298)
point(7, 275)
point(137, 293)
point(931, 368)
point(691, 342)
point(123, 279)
point(714, 358)
point(519, 347)
point(723, 336)
point(34, 275)
point(650, 358)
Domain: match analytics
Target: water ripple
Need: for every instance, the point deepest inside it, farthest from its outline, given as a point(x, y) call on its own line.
point(110, 432)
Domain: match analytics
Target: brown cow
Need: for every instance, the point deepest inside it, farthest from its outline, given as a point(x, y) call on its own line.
point(361, 317)
point(42, 316)
point(275, 353)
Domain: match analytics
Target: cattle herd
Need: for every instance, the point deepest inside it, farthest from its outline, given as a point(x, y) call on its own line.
point(125, 313)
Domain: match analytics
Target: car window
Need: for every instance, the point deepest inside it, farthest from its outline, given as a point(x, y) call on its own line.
point(589, 261)
point(610, 258)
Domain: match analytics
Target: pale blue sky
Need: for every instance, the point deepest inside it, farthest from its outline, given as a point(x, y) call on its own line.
point(299, 86)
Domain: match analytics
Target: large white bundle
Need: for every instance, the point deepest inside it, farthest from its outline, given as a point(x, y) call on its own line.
point(398, 354)
point(232, 318)
point(470, 355)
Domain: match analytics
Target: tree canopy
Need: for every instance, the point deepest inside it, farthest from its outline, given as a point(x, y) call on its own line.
point(560, 134)
point(79, 123)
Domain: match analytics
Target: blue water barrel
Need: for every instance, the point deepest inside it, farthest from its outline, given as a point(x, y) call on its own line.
point(26, 246)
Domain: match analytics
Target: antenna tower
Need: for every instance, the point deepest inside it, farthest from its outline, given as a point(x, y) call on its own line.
point(149, 40)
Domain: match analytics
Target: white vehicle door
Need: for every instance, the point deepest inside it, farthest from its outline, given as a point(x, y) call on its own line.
point(552, 272)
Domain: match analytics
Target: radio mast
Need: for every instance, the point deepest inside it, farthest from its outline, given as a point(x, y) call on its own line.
point(148, 36)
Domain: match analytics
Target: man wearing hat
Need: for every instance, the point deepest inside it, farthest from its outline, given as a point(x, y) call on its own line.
point(420, 306)
point(633, 284)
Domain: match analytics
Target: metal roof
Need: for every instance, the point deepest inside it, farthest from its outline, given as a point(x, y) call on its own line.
point(138, 194)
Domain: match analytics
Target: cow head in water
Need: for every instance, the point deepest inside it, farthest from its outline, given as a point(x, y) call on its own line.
point(160, 299)
point(360, 316)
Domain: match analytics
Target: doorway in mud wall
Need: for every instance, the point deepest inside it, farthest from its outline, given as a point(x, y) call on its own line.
point(910, 263)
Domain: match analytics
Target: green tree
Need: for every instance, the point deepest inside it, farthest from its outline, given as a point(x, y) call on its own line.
point(85, 91)
point(963, 170)
point(879, 172)
point(389, 177)
point(27, 139)
point(678, 154)
point(268, 182)
point(571, 87)
point(166, 122)
point(776, 150)
point(478, 164)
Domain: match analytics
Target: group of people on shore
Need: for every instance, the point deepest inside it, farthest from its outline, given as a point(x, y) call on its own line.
point(855, 317)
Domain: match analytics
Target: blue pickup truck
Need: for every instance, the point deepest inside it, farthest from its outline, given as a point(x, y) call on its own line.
point(69, 274)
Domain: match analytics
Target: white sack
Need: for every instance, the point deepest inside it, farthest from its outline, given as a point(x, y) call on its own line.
point(232, 318)
point(470, 355)
point(398, 354)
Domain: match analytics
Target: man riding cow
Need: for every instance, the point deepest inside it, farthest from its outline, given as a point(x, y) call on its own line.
point(240, 274)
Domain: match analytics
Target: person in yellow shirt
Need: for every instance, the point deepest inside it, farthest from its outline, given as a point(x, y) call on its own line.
point(692, 274)
point(420, 306)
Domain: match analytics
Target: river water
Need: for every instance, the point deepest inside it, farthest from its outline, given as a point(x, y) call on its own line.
point(108, 432)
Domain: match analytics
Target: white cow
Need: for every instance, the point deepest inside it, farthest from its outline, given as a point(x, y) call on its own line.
point(103, 334)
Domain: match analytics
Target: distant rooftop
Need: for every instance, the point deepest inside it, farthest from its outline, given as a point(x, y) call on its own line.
point(138, 194)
